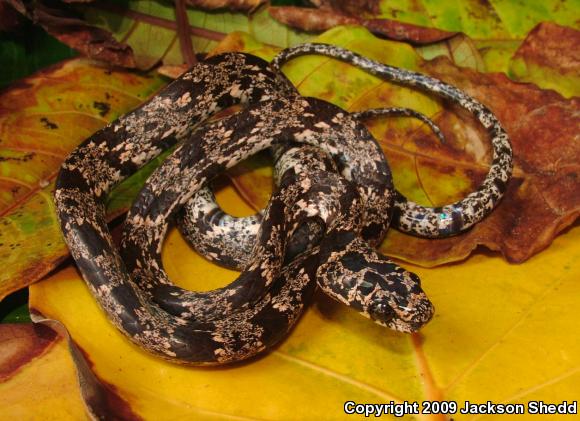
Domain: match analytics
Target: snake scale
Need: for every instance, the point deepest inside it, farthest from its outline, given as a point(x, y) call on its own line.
point(353, 211)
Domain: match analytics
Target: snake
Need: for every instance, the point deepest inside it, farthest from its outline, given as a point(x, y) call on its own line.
point(118, 150)
point(218, 147)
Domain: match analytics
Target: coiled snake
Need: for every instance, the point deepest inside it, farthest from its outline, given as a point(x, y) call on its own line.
point(262, 305)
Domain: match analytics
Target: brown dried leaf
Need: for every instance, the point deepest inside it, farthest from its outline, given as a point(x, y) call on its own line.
point(550, 58)
point(355, 7)
point(89, 40)
point(225, 4)
point(402, 31)
point(544, 196)
point(62, 23)
point(552, 45)
point(313, 20)
point(318, 20)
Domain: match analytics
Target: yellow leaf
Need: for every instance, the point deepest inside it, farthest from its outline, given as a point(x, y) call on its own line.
point(37, 375)
point(502, 332)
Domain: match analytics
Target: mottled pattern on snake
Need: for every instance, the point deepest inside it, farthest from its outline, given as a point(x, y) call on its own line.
point(306, 120)
point(229, 240)
point(200, 158)
point(117, 151)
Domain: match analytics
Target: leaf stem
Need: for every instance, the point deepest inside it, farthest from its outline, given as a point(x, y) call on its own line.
point(183, 33)
point(157, 21)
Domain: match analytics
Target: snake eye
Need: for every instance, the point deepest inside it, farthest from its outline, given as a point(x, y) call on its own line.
point(380, 311)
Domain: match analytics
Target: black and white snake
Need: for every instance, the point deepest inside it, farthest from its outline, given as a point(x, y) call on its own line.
point(259, 308)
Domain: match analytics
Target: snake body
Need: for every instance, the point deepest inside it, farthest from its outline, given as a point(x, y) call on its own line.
point(257, 310)
point(117, 151)
point(305, 120)
point(120, 148)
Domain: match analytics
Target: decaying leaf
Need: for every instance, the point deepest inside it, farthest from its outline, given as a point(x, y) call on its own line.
point(64, 23)
point(42, 119)
point(310, 19)
point(150, 29)
point(319, 20)
point(10, 19)
point(482, 20)
point(542, 199)
point(352, 7)
point(144, 34)
point(226, 4)
point(550, 58)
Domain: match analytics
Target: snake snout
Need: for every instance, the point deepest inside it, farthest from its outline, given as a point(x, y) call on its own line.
point(413, 314)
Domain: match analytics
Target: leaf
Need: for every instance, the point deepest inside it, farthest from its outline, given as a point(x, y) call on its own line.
point(334, 355)
point(542, 199)
point(150, 29)
point(62, 22)
point(229, 4)
point(143, 33)
point(42, 118)
point(319, 20)
point(495, 28)
point(257, 172)
point(37, 375)
point(427, 21)
point(460, 49)
point(549, 58)
point(482, 20)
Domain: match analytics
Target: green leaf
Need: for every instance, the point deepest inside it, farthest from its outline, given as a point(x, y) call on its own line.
point(150, 29)
point(41, 120)
point(494, 19)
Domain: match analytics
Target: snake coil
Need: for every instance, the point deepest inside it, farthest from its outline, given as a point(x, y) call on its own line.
point(345, 215)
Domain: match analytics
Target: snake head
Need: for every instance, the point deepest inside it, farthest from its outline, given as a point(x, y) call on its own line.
point(397, 300)
point(370, 283)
